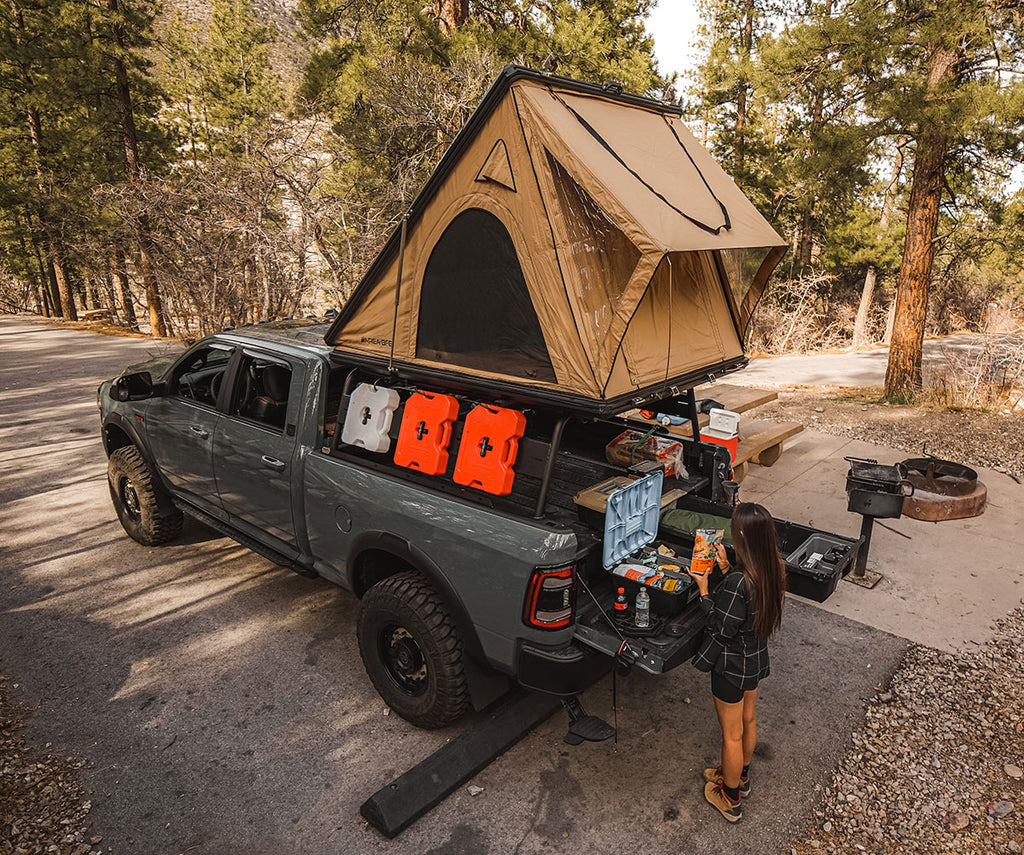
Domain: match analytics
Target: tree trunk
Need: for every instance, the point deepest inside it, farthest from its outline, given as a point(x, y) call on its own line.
point(807, 218)
point(867, 294)
point(890, 320)
point(860, 324)
point(746, 46)
point(452, 14)
point(806, 235)
point(903, 373)
point(131, 151)
point(51, 233)
point(121, 272)
point(108, 290)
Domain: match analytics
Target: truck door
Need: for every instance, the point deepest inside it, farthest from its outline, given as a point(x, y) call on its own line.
point(254, 444)
point(181, 424)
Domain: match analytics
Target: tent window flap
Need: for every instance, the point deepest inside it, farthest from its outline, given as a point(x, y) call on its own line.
point(604, 258)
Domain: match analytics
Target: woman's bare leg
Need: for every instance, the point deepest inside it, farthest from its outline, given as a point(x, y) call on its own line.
point(749, 726)
point(730, 717)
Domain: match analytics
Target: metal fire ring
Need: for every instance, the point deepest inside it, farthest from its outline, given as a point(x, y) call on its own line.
point(943, 490)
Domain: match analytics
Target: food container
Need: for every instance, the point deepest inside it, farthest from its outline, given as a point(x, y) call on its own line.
point(632, 446)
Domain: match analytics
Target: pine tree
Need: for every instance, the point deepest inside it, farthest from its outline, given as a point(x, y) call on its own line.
point(944, 74)
point(125, 31)
point(242, 93)
point(39, 46)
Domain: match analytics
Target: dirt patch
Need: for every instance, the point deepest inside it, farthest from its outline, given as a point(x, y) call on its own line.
point(972, 437)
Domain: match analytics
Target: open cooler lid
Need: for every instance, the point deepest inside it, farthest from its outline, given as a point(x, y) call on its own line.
point(631, 518)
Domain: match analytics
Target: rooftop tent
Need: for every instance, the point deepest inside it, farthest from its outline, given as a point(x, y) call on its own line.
point(574, 246)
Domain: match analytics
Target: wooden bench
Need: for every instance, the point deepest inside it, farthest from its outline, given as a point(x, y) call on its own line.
point(762, 443)
point(738, 399)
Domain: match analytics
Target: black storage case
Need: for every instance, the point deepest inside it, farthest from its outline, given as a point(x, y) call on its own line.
point(812, 583)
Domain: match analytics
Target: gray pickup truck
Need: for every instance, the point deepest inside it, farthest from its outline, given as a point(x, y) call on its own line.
point(461, 591)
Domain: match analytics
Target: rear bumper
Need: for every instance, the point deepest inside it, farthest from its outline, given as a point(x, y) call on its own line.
point(564, 672)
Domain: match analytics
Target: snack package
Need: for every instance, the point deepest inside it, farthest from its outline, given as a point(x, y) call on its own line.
point(704, 552)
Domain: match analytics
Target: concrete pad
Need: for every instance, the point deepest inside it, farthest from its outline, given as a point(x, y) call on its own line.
point(943, 583)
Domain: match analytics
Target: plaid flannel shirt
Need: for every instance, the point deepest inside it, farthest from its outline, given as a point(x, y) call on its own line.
point(730, 647)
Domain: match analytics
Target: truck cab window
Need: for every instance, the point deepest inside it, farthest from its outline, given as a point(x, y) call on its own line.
point(199, 377)
point(262, 394)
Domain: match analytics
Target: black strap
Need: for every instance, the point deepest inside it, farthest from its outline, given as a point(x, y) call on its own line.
point(709, 229)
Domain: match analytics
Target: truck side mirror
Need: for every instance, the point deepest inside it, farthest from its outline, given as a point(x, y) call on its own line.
point(134, 387)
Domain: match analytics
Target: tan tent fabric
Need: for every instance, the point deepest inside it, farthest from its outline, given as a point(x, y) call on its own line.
point(639, 257)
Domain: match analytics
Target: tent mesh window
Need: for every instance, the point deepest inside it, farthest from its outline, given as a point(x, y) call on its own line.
point(603, 256)
point(740, 267)
point(475, 307)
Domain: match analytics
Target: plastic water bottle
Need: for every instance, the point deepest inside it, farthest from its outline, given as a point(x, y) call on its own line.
point(643, 609)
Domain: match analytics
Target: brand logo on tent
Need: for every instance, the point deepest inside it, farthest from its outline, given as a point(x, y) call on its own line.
point(385, 342)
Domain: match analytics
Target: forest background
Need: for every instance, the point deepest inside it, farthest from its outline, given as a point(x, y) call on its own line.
point(199, 164)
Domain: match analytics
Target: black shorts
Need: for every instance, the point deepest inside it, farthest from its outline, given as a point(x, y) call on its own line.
point(726, 691)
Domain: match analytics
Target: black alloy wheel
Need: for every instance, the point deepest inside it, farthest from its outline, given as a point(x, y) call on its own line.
point(403, 658)
point(148, 518)
point(412, 652)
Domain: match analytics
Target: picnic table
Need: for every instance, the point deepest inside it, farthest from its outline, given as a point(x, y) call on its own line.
point(760, 441)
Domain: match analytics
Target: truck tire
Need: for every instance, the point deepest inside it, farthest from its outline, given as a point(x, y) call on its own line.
point(133, 492)
point(412, 652)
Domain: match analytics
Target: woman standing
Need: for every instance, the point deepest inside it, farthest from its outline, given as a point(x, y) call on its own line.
point(742, 613)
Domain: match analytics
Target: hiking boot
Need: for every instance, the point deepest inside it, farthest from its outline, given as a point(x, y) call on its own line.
point(715, 777)
point(715, 794)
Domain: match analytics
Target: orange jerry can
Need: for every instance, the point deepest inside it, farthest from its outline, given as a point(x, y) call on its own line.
point(426, 429)
point(490, 442)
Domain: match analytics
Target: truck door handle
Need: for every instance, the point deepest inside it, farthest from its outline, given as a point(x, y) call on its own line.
point(198, 431)
point(273, 463)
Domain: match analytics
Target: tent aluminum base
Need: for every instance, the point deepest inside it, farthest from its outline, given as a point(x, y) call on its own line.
point(396, 806)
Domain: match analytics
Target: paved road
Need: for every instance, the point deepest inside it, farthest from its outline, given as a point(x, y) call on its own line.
point(222, 707)
point(966, 353)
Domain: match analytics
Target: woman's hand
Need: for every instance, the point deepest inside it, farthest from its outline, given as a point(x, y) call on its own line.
point(702, 581)
point(721, 557)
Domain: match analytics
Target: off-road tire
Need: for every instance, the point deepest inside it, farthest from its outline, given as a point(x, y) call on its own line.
point(133, 491)
point(412, 652)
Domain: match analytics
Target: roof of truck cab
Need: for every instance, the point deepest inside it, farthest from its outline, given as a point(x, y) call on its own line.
point(307, 334)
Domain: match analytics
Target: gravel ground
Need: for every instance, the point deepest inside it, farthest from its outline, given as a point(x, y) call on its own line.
point(42, 806)
point(937, 765)
point(994, 440)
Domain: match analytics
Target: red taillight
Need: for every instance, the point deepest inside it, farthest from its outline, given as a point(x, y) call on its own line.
point(551, 598)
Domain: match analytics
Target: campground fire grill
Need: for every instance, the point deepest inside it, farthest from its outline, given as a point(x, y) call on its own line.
point(922, 488)
point(874, 490)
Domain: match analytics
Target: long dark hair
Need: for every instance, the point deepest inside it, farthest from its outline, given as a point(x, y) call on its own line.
point(757, 552)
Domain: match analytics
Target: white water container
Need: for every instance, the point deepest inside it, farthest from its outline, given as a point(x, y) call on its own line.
point(368, 420)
